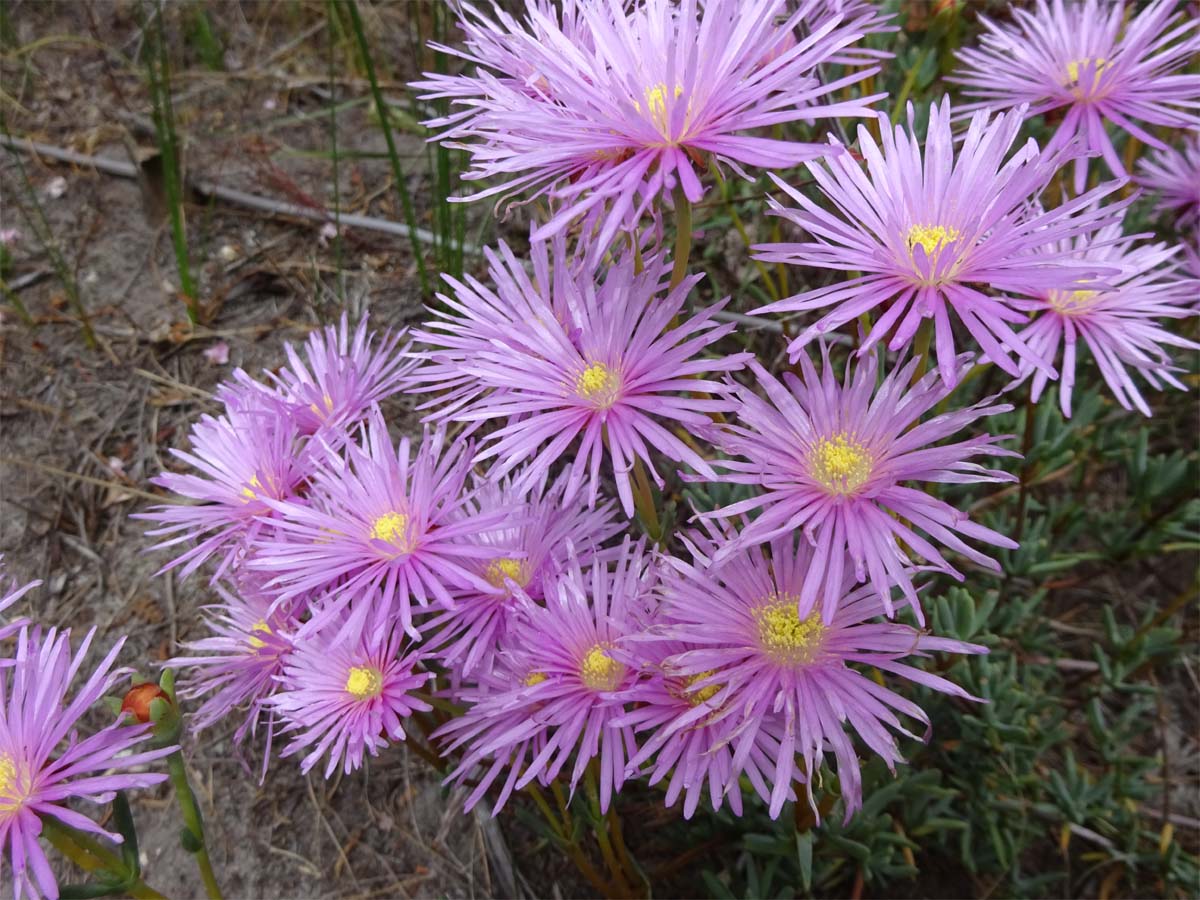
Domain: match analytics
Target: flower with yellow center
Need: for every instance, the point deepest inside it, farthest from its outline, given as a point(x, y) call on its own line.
point(599, 384)
point(656, 106)
point(392, 528)
point(599, 671)
point(783, 635)
point(1072, 303)
point(502, 569)
point(932, 237)
point(840, 464)
point(262, 628)
point(364, 682)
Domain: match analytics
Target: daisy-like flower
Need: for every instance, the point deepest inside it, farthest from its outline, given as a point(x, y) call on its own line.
point(15, 593)
point(767, 664)
point(1119, 322)
point(606, 373)
point(644, 99)
point(527, 555)
point(683, 743)
point(239, 663)
point(45, 765)
point(1175, 176)
point(936, 231)
point(1096, 63)
point(839, 460)
point(382, 526)
point(573, 673)
point(347, 697)
point(244, 460)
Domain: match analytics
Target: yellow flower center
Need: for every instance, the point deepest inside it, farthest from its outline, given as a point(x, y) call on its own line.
point(251, 486)
point(656, 104)
point(328, 401)
point(1072, 303)
point(10, 797)
point(364, 682)
point(695, 698)
point(392, 528)
point(1075, 67)
point(534, 678)
point(840, 464)
point(599, 671)
point(599, 384)
point(932, 237)
point(263, 628)
point(783, 635)
point(502, 569)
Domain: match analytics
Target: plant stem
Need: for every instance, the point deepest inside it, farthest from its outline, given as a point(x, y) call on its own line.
point(92, 856)
point(921, 342)
point(193, 822)
point(1026, 468)
point(683, 235)
point(381, 110)
point(563, 831)
point(600, 826)
point(643, 502)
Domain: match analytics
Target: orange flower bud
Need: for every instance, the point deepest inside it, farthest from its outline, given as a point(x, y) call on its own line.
point(137, 701)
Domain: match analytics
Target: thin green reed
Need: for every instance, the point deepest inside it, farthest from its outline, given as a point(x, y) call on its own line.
point(382, 111)
point(158, 72)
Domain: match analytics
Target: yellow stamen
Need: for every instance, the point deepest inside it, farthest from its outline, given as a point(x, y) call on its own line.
point(599, 384)
point(783, 635)
point(364, 682)
point(328, 401)
point(1072, 303)
point(499, 570)
point(599, 671)
point(262, 627)
point(391, 527)
point(534, 678)
point(695, 698)
point(932, 237)
point(9, 796)
point(840, 463)
point(249, 491)
point(1096, 64)
point(656, 104)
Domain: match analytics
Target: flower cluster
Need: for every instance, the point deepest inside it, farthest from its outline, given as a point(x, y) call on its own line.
point(516, 584)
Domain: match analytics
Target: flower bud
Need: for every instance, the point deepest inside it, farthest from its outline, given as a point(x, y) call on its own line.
point(139, 697)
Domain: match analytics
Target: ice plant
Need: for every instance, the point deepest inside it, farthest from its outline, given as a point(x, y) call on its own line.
point(843, 461)
point(610, 104)
point(620, 362)
point(1095, 63)
point(45, 765)
point(574, 670)
point(382, 525)
point(770, 665)
point(676, 712)
point(1175, 176)
point(1119, 320)
point(526, 556)
point(238, 664)
point(348, 696)
point(243, 461)
point(935, 229)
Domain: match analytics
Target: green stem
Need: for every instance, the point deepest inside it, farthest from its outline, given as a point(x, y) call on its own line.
point(643, 502)
point(683, 235)
point(1026, 468)
point(600, 826)
point(381, 110)
point(193, 822)
point(921, 342)
point(92, 856)
point(563, 831)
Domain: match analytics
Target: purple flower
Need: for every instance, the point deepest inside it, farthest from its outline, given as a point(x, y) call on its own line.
point(1116, 319)
point(244, 461)
point(606, 372)
point(8, 599)
point(345, 697)
point(526, 556)
point(936, 231)
point(1175, 176)
point(573, 674)
point(344, 378)
point(238, 665)
point(1096, 62)
point(678, 711)
point(838, 460)
point(380, 525)
point(45, 765)
point(609, 104)
point(766, 664)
